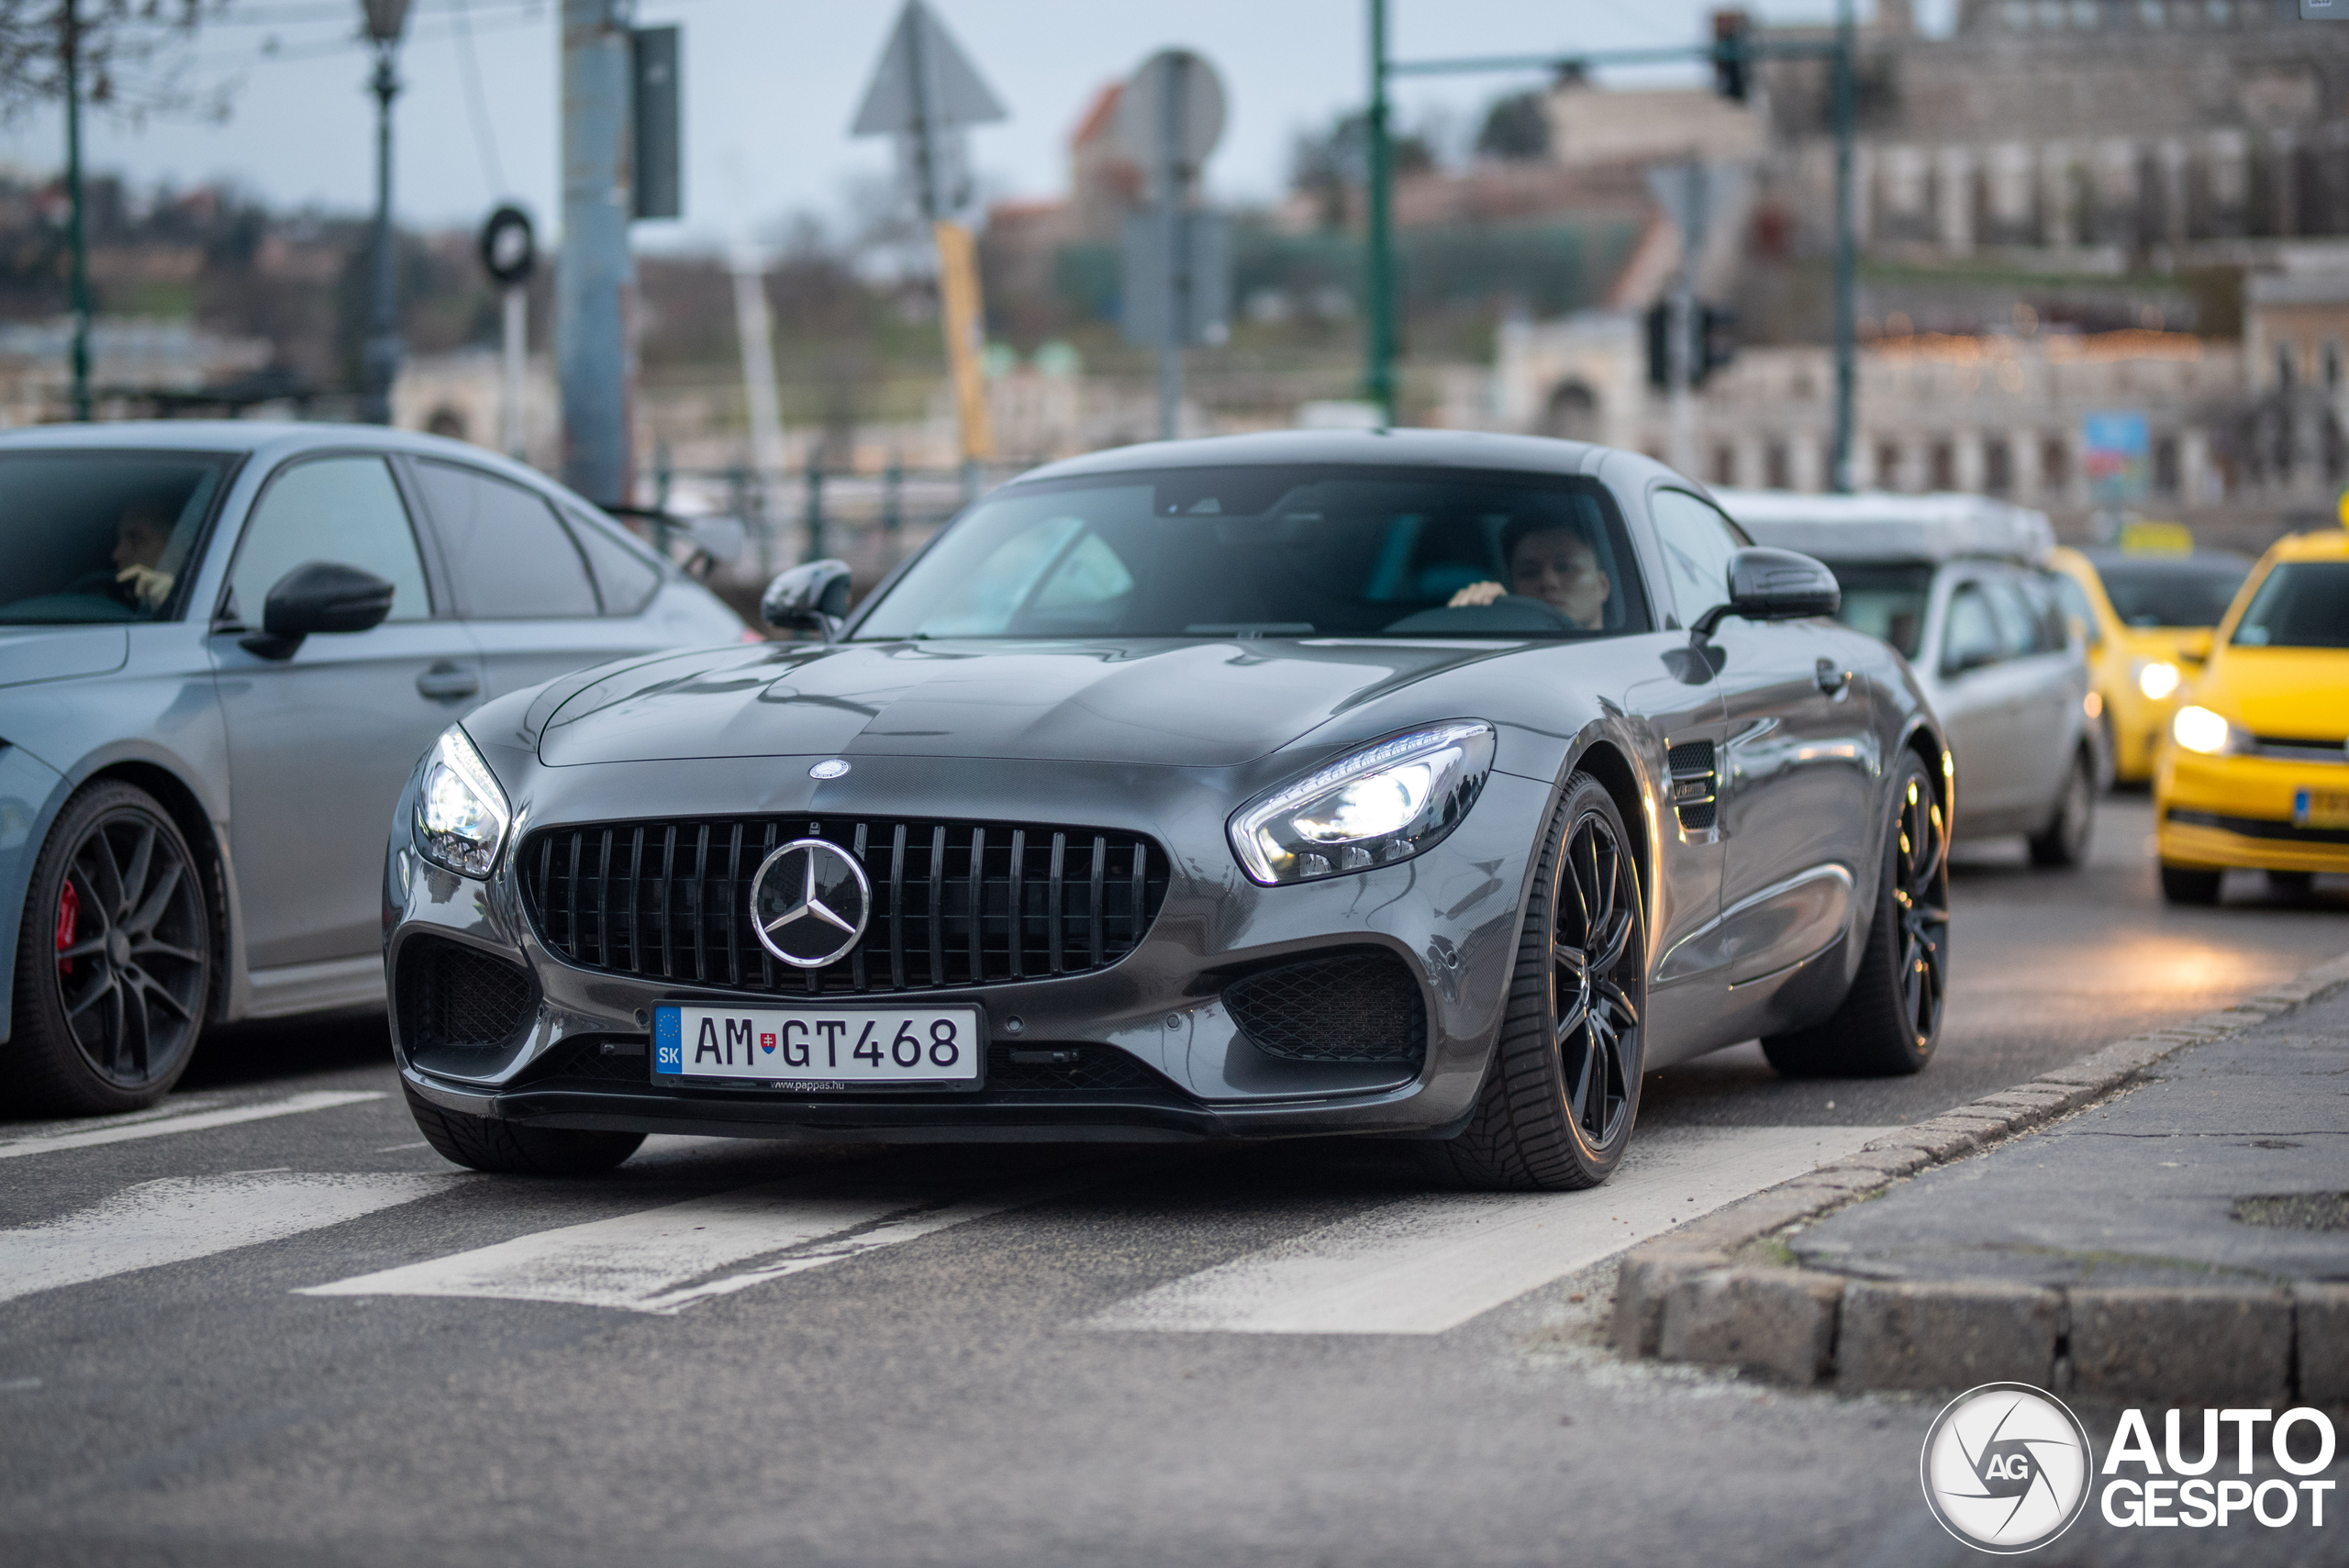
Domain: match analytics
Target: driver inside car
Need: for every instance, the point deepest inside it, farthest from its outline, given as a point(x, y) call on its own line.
point(1553, 563)
point(140, 535)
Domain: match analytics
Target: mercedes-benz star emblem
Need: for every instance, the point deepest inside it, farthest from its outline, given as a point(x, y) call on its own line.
point(830, 768)
point(810, 901)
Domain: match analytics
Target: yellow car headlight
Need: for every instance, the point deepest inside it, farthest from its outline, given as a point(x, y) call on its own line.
point(2157, 679)
point(2200, 729)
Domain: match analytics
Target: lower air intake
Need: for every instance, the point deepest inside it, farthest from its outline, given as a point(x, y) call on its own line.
point(453, 997)
point(1348, 1007)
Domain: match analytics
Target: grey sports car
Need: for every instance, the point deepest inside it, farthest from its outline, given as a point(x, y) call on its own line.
point(1408, 784)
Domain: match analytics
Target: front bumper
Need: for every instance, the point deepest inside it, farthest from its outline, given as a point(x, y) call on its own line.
point(1450, 917)
point(2213, 812)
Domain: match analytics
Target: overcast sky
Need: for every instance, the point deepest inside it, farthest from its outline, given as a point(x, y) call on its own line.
point(770, 85)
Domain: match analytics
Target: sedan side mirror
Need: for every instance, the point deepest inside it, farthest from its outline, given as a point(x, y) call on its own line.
point(1773, 584)
point(813, 597)
point(318, 596)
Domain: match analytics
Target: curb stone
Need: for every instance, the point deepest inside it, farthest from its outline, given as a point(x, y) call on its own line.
point(1692, 1296)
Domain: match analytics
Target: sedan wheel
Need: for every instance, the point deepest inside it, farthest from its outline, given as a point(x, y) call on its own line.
point(2065, 841)
point(1559, 1099)
point(115, 961)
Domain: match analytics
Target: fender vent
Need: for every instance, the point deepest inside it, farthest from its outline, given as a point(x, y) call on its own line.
point(1694, 785)
point(1348, 1007)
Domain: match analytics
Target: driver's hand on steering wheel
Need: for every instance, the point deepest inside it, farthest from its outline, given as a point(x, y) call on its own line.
point(1477, 593)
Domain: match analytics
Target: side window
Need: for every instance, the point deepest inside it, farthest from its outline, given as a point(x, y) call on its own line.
point(1972, 638)
point(343, 509)
point(625, 578)
point(2021, 630)
point(1696, 542)
point(509, 556)
point(2074, 602)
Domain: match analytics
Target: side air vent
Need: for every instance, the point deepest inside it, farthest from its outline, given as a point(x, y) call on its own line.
point(1694, 785)
point(1349, 1007)
point(459, 1003)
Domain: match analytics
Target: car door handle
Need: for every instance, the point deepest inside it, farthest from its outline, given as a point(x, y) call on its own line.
point(1831, 678)
point(445, 681)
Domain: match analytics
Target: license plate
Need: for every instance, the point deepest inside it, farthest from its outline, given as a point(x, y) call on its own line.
point(811, 1049)
point(2320, 808)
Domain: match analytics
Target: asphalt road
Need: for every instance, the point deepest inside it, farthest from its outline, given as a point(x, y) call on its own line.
point(265, 1325)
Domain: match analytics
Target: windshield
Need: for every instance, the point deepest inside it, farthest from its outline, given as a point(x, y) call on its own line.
point(1885, 601)
point(2301, 604)
point(99, 535)
point(1275, 552)
point(2172, 593)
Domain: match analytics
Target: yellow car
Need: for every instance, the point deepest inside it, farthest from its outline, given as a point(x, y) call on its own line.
point(2257, 772)
point(2137, 611)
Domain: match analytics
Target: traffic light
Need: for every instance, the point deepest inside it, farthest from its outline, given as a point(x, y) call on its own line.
point(1712, 342)
point(1730, 45)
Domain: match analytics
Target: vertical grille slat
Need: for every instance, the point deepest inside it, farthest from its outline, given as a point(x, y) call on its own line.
point(986, 903)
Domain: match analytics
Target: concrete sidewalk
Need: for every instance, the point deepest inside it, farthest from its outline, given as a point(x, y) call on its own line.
point(2227, 1165)
point(2169, 1218)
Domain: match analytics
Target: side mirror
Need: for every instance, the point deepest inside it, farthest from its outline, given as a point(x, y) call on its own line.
point(2194, 648)
point(813, 597)
point(1773, 584)
point(318, 596)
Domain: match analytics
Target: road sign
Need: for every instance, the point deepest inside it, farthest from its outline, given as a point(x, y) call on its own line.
point(924, 81)
point(1171, 111)
point(1182, 283)
point(508, 248)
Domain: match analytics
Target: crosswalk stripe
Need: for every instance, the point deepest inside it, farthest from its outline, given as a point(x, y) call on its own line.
point(178, 1218)
point(1425, 1264)
point(148, 1125)
point(665, 1259)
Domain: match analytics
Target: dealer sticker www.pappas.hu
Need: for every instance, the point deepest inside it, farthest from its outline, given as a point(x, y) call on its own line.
point(2007, 1467)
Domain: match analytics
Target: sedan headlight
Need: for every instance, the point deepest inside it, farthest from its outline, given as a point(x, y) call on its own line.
point(1379, 805)
point(2157, 678)
point(2200, 729)
point(461, 814)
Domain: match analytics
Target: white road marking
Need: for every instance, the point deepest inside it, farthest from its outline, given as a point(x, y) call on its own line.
point(1425, 1264)
point(181, 1218)
point(665, 1260)
point(141, 1123)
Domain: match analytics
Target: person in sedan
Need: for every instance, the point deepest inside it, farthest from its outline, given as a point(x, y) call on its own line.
point(140, 535)
point(1551, 562)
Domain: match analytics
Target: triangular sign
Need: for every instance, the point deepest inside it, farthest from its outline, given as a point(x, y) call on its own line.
point(923, 68)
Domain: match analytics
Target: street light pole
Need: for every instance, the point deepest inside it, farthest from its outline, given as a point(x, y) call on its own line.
point(386, 20)
point(1846, 252)
point(1378, 379)
point(77, 239)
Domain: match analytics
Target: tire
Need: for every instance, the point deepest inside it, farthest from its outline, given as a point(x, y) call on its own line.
point(1561, 1090)
point(516, 1149)
point(2190, 885)
point(2291, 883)
point(1891, 1019)
point(115, 961)
point(2064, 842)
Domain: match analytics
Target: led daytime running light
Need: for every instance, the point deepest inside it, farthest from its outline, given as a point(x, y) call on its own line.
point(460, 812)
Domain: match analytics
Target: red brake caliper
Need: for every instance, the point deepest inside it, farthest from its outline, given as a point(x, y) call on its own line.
point(69, 916)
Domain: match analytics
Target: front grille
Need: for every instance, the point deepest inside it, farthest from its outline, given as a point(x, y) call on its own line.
point(953, 902)
point(2261, 828)
point(451, 995)
point(1695, 783)
point(1348, 1007)
point(2299, 749)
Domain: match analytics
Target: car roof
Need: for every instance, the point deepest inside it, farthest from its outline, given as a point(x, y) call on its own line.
point(2193, 561)
point(272, 438)
point(1392, 448)
point(2325, 544)
point(1875, 525)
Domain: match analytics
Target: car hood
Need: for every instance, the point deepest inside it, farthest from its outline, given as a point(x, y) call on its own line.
point(2298, 691)
point(1148, 701)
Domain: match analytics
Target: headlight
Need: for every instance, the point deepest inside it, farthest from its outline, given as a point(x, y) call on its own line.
point(461, 814)
point(1380, 805)
point(2200, 729)
point(2156, 679)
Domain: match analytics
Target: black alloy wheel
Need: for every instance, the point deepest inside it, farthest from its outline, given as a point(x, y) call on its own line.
point(115, 964)
point(1560, 1097)
point(1891, 1019)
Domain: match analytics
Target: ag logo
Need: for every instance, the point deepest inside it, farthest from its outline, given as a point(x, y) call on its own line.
point(810, 901)
point(2007, 1467)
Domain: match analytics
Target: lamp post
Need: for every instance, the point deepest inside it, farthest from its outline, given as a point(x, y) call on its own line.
point(69, 17)
point(386, 20)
